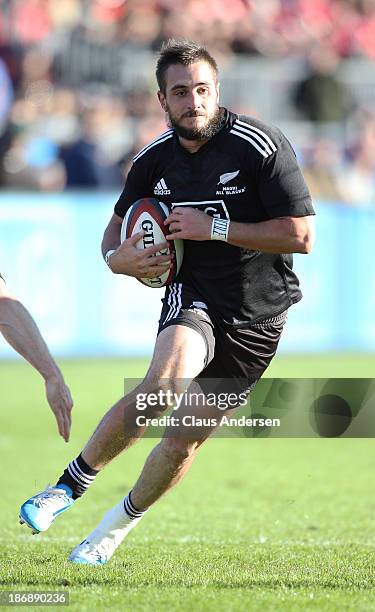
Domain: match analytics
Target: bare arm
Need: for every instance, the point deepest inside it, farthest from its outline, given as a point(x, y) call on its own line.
point(129, 260)
point(21, 332)
point(111, 238)
point(282, 235)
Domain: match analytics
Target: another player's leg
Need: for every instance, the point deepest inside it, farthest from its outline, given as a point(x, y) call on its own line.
point(180, 354)
point(165, 467)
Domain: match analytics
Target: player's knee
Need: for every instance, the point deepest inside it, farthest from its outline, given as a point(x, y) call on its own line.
point(178, 450)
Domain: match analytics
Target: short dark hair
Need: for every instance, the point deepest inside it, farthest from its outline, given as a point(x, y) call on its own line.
point(183, 52)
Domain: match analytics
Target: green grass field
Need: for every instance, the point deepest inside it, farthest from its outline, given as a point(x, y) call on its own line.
point(258, 524)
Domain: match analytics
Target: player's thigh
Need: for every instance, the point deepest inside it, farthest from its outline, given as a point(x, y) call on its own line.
point(180, 353)
point(182, 350)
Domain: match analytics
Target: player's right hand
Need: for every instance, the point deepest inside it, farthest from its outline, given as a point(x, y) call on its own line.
point(129, 260)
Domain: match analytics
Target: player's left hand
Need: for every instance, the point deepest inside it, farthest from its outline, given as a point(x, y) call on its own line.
point(189, 224)
point(61, 403)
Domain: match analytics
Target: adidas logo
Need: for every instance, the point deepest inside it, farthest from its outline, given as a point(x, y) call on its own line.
point(161, 188)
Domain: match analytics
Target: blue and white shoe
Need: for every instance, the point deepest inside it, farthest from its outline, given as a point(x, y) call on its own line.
point(89, 553)
point(42, 509)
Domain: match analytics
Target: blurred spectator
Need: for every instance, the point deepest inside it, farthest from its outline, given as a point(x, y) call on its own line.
point(31, 163)
point(266, 27)
point(141, 24)
point(147, 129)
point(65, 14)
point(6, 99)
point(320, 97)
point(94, 158)
point(77, 86)
point(6, 96)
point(30, 20)
point(357, 178)
point(36, 72)
point(322, 170)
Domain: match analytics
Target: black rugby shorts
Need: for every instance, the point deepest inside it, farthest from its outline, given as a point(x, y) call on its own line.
point(234, 357)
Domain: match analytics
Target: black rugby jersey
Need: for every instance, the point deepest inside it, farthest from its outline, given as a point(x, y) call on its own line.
point(248, 173)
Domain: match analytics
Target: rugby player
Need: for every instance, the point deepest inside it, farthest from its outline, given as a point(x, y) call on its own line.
point(21, 332)
point(239, 201)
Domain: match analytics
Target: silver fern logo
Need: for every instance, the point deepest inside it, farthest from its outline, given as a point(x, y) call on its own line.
point(228, 176)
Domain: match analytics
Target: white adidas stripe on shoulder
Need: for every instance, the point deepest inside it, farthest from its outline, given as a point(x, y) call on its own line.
point(255, 129)
point(259, 139)
point(153, 143)
point(253, 142)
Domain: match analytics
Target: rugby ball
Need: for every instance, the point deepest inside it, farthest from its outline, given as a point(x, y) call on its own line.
point(148, 214)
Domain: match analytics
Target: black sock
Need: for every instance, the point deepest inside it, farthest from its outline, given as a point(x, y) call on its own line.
point(78, 476)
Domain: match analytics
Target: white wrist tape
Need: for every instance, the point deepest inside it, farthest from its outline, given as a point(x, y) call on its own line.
point(108, 255)
point(220, 229)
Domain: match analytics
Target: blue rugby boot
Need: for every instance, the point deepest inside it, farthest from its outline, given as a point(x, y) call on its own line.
point(42, 509)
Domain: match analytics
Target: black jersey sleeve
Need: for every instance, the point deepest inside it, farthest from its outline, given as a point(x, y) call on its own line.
point(281, 186)
point(135, 188)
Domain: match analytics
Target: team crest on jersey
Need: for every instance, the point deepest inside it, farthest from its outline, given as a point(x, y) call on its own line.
point(232, 189)
point(161, 188)
point(228, 176)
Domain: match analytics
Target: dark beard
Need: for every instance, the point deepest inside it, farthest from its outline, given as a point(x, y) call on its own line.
point(204, 133)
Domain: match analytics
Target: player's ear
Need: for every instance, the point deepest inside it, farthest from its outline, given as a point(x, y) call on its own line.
point(162, 100)
point(218, 91)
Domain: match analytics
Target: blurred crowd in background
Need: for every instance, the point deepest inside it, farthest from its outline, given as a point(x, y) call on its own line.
point(77, 87)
